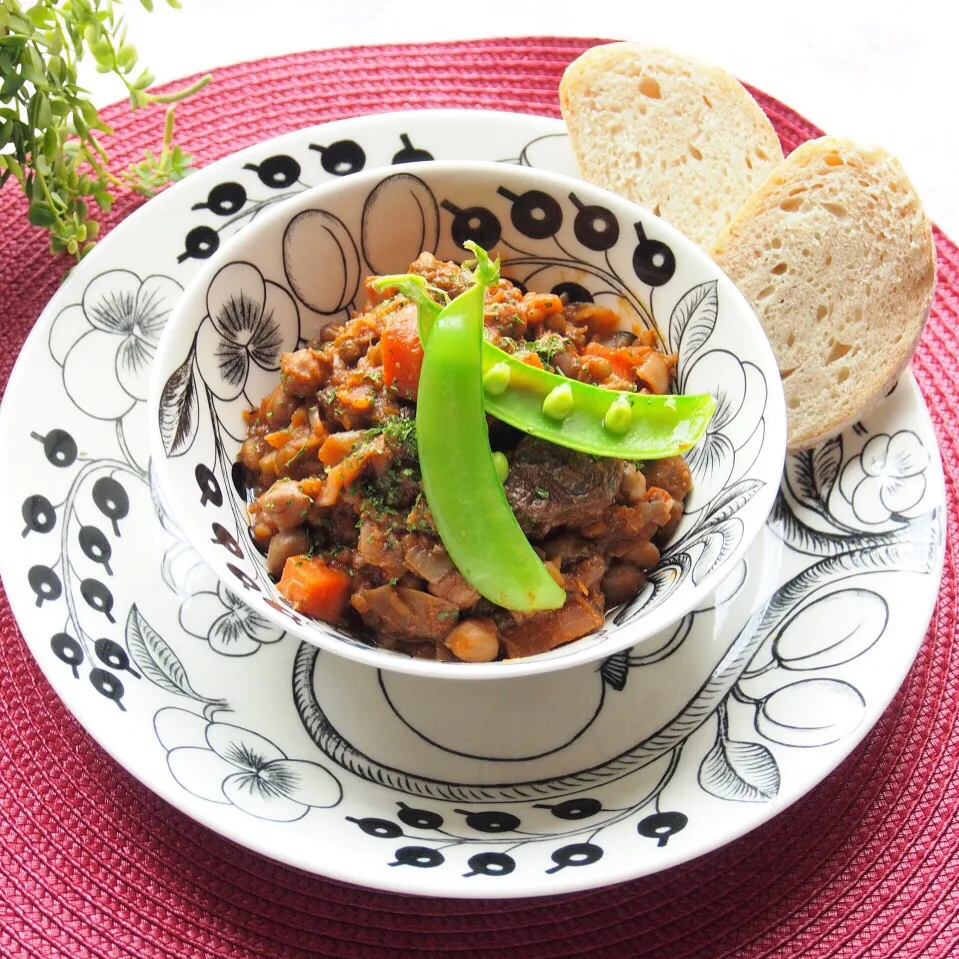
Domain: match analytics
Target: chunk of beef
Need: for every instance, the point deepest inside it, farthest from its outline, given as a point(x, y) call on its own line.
point(380, 548)
point(454, 588)
point(550, 486)
point(407, 613)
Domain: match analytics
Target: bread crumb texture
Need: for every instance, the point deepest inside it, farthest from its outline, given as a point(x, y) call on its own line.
point(683, 138)
point(836, 255)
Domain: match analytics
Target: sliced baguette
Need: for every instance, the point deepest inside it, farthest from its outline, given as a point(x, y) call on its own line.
point(835, 254)
point(683, 138)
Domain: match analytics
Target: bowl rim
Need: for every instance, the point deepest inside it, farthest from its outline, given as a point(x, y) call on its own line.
point(165, 361)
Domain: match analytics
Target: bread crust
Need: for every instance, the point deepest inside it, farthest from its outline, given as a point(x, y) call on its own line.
point(836, 256)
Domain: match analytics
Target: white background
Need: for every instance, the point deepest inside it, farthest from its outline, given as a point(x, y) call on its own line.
point(878, 71)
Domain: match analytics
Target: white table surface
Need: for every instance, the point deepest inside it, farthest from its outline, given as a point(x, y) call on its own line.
point(884, 72)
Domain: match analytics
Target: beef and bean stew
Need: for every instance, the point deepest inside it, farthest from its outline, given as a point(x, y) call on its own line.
point(337, 501)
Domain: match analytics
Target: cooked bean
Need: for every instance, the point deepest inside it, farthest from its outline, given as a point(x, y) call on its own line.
point(252, 451)
point(671, 474)
point(555, 322)
point(596, 368)
point(621, 583)
point(474, 641)
point(644, 554)
point(278, 407)
point(567, 364)
point(332, 459)
point(285, 503)
point(291, 542)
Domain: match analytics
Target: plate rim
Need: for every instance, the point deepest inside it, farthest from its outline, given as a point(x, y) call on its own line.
point(194, 808)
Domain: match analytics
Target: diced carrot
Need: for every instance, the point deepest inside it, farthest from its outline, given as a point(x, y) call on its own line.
point(623, 360)
point(530, 359)
point(539, 305)
point(315, 588)
point(357, 399)
point(312, 486)
point(278, 438)
point(619, 364)
point(402, 353)
point(300, 417)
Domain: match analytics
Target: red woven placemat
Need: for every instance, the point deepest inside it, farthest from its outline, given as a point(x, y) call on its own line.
point(93, 864)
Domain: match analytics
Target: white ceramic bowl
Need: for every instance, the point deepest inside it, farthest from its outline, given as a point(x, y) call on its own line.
point(302, 264)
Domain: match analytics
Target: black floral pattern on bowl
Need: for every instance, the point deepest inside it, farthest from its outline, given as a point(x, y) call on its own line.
point(546, 242)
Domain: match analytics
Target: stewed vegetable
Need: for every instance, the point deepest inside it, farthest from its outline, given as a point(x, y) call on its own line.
point(568, 412)
point(463, 491)
point(389, 504)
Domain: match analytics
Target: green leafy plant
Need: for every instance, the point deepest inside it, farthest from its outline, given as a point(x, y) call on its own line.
point(49, 128)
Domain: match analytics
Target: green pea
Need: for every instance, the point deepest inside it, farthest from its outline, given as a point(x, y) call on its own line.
point(496, 379)
point(619, 417)
point(502, 466)
point(558, 402)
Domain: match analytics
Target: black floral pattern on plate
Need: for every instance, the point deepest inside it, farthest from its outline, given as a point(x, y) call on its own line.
point(848, 513)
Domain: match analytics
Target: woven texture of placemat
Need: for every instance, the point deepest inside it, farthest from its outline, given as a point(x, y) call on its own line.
point(93, 864)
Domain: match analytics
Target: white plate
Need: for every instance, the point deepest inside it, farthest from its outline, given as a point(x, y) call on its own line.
point(516, 787)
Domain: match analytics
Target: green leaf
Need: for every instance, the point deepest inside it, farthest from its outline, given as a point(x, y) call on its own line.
point(12, 82)
point(126, 57)
point(40, 15)
point(40, 214)
point(13, 166)
point(88, 110)
point(147, 5)
point(21, 24)
point(44, 114)
point(53, 43)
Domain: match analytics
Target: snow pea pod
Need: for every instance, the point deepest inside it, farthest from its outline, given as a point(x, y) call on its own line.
point(623, 425)
point(463, 490)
